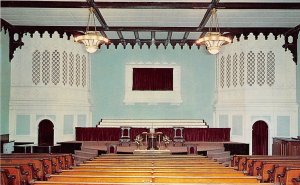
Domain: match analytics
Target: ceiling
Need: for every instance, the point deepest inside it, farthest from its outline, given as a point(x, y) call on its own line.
point(167, 22)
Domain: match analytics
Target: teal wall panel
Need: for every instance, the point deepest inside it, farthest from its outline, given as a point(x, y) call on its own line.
point(4, 83)
point(223, 121)
point(283, 126)
point(23, 125)
point(68, 124)
point(81, 120)
point(108, 83)
point(237, 125)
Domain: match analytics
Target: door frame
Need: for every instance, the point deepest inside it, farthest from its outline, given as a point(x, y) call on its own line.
point(264, 135)
point(48, 121)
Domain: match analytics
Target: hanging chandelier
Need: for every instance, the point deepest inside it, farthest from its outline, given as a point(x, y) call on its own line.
point(213, 39)
point(91, 38)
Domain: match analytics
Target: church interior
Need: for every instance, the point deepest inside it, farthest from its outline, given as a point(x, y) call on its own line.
point(150, 91)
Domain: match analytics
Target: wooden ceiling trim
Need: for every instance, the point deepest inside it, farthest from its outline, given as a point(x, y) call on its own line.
point(142, 28)
point(292, 46)
point(148, 5)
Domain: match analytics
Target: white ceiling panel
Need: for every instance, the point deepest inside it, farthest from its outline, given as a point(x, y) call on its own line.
point(161, 35)
point(112, 35)
point(260, 1)
point(177, 35)
point(128, 34)
point(258, 18)
point(202, 1)
point(153, 17)
point(46, 16)
point(145, 35)
point(194, 35)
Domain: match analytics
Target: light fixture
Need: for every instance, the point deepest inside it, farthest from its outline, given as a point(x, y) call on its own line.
point(91, 38)
point(213, 39)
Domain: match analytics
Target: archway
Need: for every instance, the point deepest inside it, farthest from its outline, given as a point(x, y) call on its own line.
point(46, 133)
point(260, 138)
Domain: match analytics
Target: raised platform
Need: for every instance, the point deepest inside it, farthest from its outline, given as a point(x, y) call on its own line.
point(153, 123)
point(152, 152)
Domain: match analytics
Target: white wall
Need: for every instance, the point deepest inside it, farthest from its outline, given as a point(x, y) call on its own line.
point(256, 80)
point(50, 79)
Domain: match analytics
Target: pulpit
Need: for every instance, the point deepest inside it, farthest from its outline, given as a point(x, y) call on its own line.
point(153, 140)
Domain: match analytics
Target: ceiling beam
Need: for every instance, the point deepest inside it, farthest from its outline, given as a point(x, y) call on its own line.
point(168, 38)
point(185, 36)
point(147, 5)
point(120, 35)
point(207, 14)
point(137, 37)
point(97, 13)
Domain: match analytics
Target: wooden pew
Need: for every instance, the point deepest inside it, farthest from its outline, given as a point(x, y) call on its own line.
point(267, 168)
point(60, 161)
point(48, 165)
point(149, 168)
point(93, 183)
point(26, 169)
point(296, 180)
point(152, 179)
point(206, 180)
point(245, 163)
point(38, 165)
point(148, 173)
point(6, 178)
point(289, 174)
point(18, 173)
point(256, 165)
point(149, 165)
point(278, 171)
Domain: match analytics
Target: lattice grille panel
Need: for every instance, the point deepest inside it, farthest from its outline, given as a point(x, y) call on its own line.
point(77, 70)
point(83, 70)
point(261, 68)
point(270, 68)
point(235, 71)
point(242, 69)
point(55, 67)
point(71, 69)
point(36, 69)
point(251, 68)
point(46, 67)
point(222, 71)
point(65, 68)
point(228, 71)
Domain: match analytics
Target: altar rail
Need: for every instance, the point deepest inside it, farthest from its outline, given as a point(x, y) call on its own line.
point(153, 123)
point(189, 134)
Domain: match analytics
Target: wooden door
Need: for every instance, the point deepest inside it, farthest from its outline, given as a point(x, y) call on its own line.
point(260, 138)
point(46, 133)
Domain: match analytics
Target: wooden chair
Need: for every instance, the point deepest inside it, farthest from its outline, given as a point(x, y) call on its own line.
point(178, 136)
point(125, 136)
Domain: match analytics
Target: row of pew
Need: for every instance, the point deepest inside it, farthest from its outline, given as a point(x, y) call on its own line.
point(144, 169)
point(283, 170)
point(22, 169)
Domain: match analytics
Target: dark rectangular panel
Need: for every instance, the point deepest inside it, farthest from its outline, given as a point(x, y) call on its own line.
point(152, 79)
